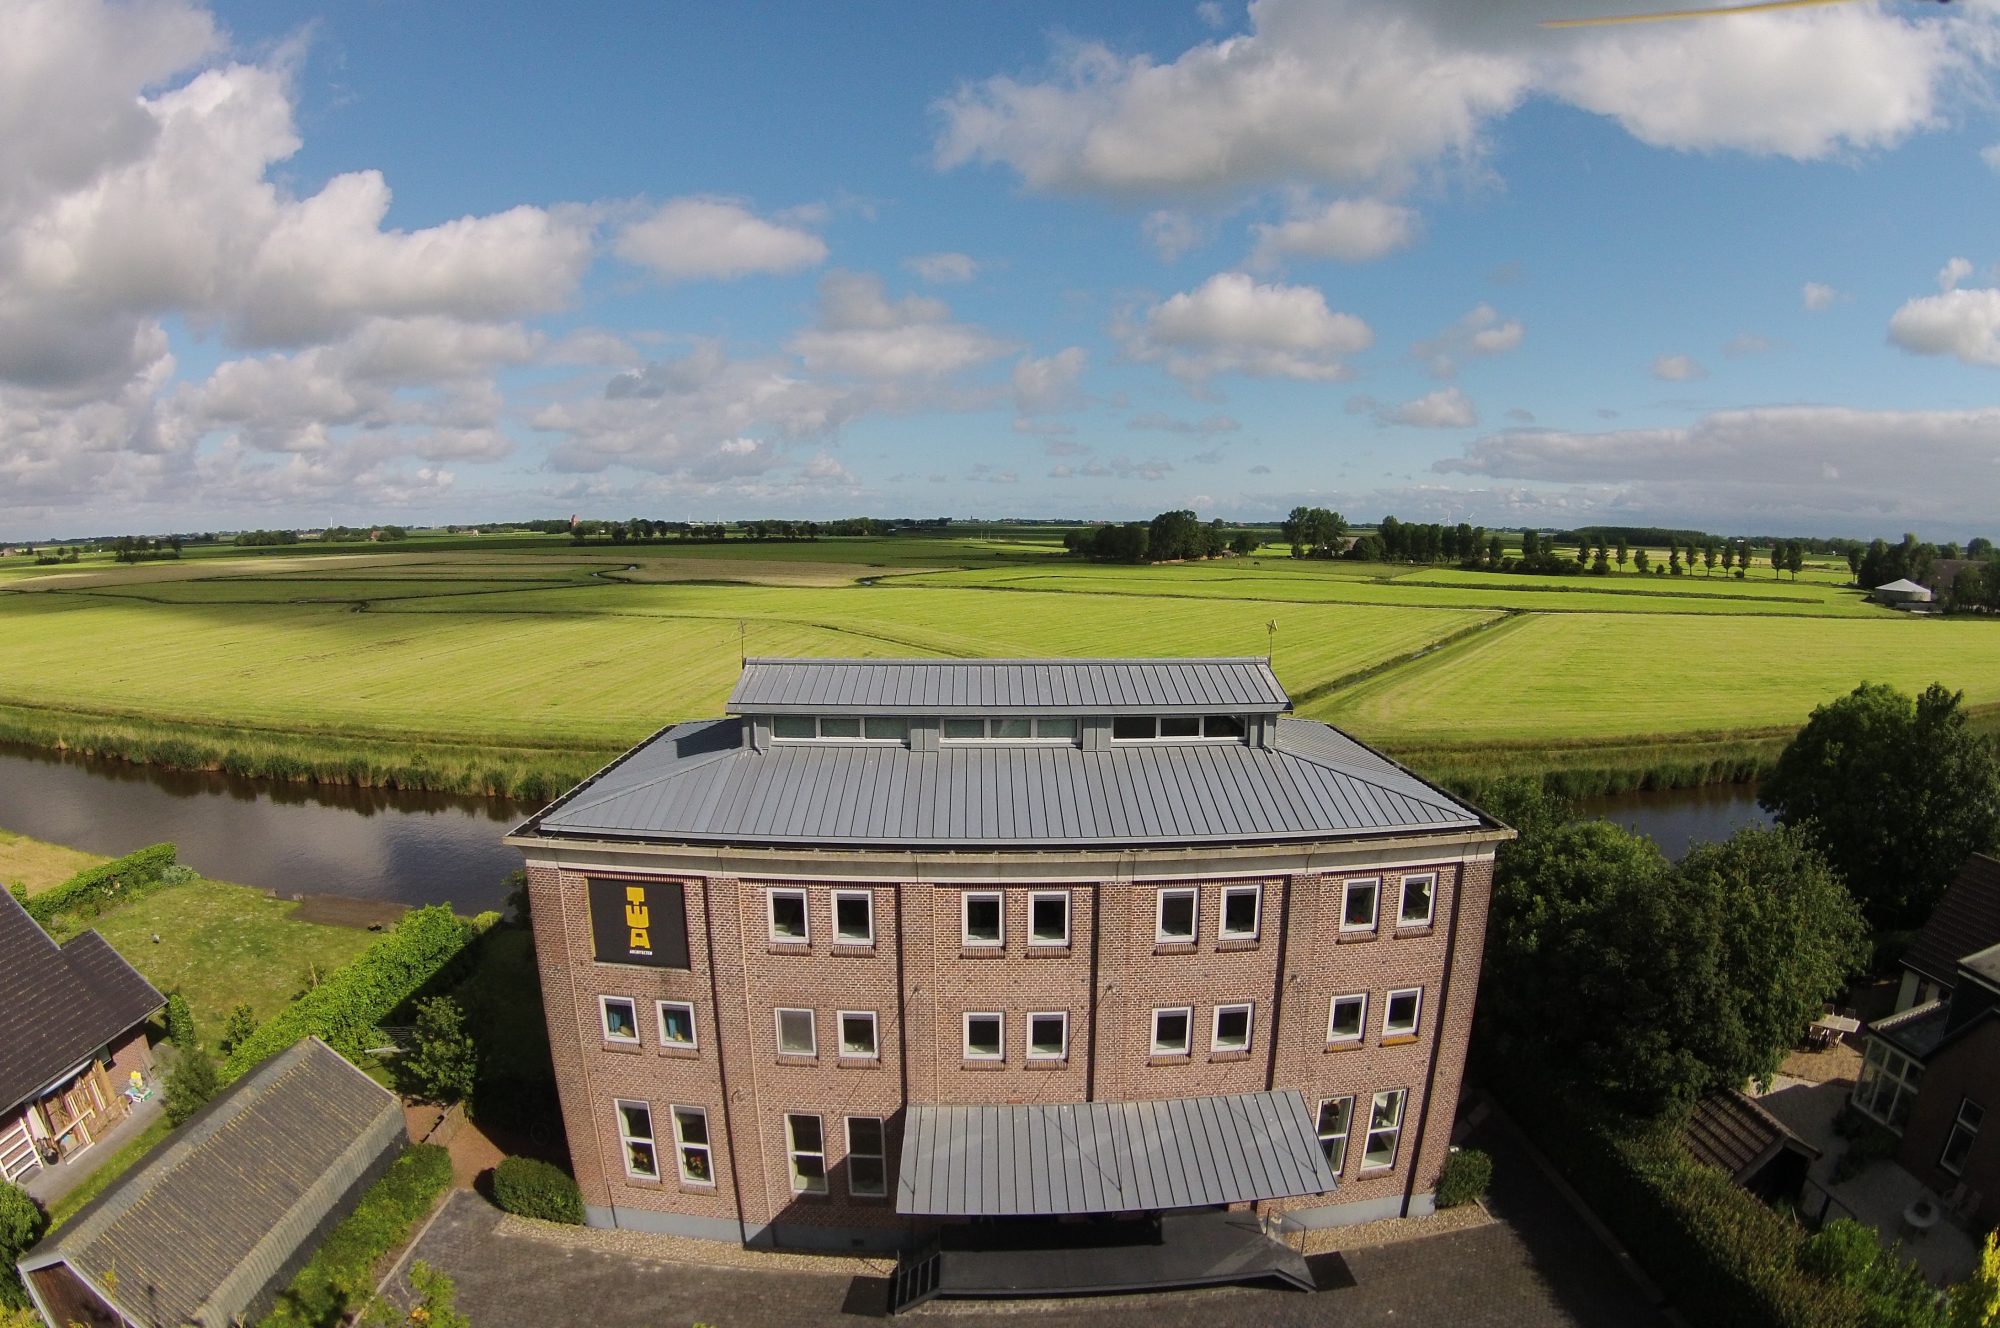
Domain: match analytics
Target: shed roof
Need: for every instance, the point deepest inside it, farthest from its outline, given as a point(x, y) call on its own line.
point(1108, 1157)
point(701, 782)
point(1012, 686)
point(1730, 1131)
point(62, 1003)
point(1966, 920)
point(197, 1230)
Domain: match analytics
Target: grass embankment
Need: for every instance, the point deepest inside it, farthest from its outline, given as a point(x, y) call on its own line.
point(36, 866)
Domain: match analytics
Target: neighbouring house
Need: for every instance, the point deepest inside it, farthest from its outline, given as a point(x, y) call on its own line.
point(213, 1224)
point(906, 952)
point(1966, 919)
point(1900, 594)
point(1757, 1150)
point(72, 1033)
point(1931, 1074)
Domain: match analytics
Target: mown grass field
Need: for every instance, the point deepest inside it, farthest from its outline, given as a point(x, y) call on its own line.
point(516, 665)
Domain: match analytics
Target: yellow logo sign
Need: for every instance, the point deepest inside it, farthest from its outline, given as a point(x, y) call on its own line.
point(638, 919)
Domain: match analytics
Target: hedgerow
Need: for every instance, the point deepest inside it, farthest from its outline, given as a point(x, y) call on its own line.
point(91, 891)
point(530, 1187)
point(340, 1276)
point(346, 1007)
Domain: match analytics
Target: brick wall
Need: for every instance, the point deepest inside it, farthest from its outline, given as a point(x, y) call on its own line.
point(1970, 1068)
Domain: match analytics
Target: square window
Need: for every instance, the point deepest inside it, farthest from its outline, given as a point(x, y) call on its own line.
point(796, 1036)
point(1048, 918)
point(1222, 726)
point(1347, 1017)
point(1010, 728)
point(1336, 1114)
point(867, 1174)
point(1232, 1028)
point(794, 726)
point(983, 924)
point(1385, 1128)
point(787, 914)
point(1048, 1036)
point(984, 1037)
point(621, 1018)
point(1170, 1031)
point(1239, 912)
point(1180, 726)
point(839, 726)
point(960, 730)
point(808, 1151)
point(1175, 922)
point(883, 728)
point(691, 1142)
point(853, 917)
point(635, 1132)
point(1399, 1012)
point(1128, 727)
point(1056, 729)
point(676, 1024)
point(1418, 894)
point(1357, 908)
point(857, 1033)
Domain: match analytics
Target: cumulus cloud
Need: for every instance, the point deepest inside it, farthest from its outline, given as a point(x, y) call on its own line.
point(1964, 323)
point(1482, 332)
point(1677, 369)
point(1049, 384)
point(715, 239)
point(1446, 408)
point(1818, 296)
point(1234, 324)
point(943, 269)
point(862, 332)
point(1339, 92)
point(1353, 230)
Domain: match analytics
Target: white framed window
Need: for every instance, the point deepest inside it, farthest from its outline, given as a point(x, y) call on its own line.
point(635, 1132)
point(806, 1143)
point(985, 1036)
point(786, 911)
point(1241, 905)
point(1174, 916)
point(1231, 1030)
point(840, 728)
point(1170, 1030)
point(796, 1034)
point(1399, 1012)
point(867, 1147)
point(1347, 1017)
point(1887, 1085)
point(1419, 900)
point(1385, 1129)
point(677, 1025)
point(1048, 1035)
point(857, 1034)
point(982, 918)
point(1336, 1117)
point(853, 917)
point(691, 1145)
point(620, 1015)
point(1963, 1131)
point(1048, 917)
point(1044, 728)
point(1141, 728)
point(1358, 900)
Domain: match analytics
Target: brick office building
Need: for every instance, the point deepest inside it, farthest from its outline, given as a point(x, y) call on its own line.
point(849, 962)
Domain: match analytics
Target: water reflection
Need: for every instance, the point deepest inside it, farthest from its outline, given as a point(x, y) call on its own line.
point(1678, 819)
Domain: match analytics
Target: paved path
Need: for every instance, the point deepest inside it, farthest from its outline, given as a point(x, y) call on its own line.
point(1536, 1266)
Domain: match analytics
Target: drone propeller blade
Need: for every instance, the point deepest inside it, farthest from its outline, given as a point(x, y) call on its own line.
point(1666, 15)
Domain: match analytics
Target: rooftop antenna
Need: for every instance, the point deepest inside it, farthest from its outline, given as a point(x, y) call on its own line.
point(1270, 642)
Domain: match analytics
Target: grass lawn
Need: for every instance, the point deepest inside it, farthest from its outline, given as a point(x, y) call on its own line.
point(222, 945)
point(37, 865)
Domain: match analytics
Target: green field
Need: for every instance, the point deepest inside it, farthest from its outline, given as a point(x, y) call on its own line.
point(519, 664)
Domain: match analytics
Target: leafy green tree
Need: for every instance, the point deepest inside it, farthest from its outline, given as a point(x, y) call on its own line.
point(1495, 550)
point(442, 1062)
point(191, 1082)
point(241, 1024)
point(1243, 544)
point(1640, 560)
point(1975, 1302)
point(1624, 553)
point(436, 1304)
point(1897, 792)
point(22, 1222)
point(180, 1023)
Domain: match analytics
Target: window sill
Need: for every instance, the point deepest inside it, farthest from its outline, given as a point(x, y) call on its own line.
point(1357, 937)
point(788, 947)
point(1369, 1173)
point(1046, 1063)
point(1399, 1040)
point(624, 1048)
point(794, 1058)
point(1241, 1054)
point(981, 951)
point(697, 1186)
point(1168, 1058)
point(1229, 943)
point(859, 1063)
point(1413, 932)
point(1047, 950)
point(982, 1065)
point(650, 1182)
point(681, 1053)
point(1175, 947)
point(855, 949)
point(1348, 1044)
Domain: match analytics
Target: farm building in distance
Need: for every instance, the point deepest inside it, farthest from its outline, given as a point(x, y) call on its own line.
point(1900, 594)
point(903, 943)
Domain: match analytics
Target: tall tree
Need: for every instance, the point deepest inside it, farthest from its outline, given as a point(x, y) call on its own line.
point(1624, 553)
point(1897, 791)
point(1795, 558)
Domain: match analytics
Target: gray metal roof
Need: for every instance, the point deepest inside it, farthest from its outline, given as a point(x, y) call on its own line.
point(1011, 686)
point(701, 782)
point(199, 1231)
point(1108, 1157)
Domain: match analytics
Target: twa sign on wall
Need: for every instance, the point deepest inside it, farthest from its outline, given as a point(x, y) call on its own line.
point(638, 922)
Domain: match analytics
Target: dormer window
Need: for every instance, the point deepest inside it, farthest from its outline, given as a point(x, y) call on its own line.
point(1176, 728)
point(1044, 728)
point(840, 728)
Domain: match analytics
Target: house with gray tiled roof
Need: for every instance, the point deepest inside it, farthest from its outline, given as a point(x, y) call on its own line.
point(1966, 920)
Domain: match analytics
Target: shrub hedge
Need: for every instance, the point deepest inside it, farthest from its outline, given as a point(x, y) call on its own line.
point(1467, 1173)
point(530, 1187)
point(90, 891)
point(340, 1276)
point(345, 1008)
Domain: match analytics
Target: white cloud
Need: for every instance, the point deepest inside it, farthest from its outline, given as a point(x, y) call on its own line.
point(1481, 333)
point(1817, 296)
point(863, 333)
point(716, 239)
point(1747, 343)
point(1206, 427)
point(1211, 13)
point(1677, 369)
point(943, 269)
point(1446, 408)
point(1957, 322)
point(1171, 233)
point(1353, 230)
point(1335, 91)
point(1991, 156)
point(1233, 324)
point(1048, 385)
point(824, 470)
point(1954, 271)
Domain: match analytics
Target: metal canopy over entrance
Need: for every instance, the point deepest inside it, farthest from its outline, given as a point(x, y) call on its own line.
point(1108, 1157)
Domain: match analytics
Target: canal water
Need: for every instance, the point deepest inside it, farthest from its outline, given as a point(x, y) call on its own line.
point(428, 848)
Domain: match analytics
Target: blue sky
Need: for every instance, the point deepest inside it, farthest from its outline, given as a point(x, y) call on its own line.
point(275, 264)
